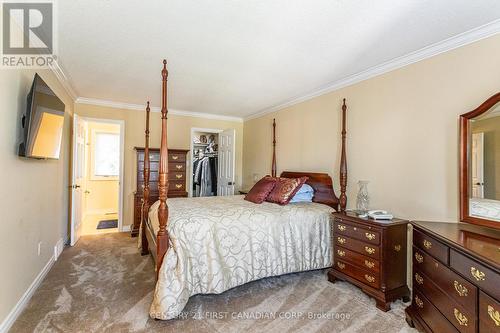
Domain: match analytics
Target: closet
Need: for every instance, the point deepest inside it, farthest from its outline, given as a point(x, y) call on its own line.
point(205, 164)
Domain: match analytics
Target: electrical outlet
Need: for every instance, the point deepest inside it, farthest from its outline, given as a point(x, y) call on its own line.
point(39, 248)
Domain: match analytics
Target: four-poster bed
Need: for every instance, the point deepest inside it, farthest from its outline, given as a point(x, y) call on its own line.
point(220, 242)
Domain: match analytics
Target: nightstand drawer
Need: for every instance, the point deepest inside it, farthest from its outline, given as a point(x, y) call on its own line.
point(463, 320)
point(369, 278)
point(366, 249)
point(367, 235)
point(489, 314)
point(359, 260)
point(432, 246)
point(478, 274)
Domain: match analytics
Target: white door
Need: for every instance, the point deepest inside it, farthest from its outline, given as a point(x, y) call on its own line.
point(77, 178)
point(477, 165)
point(225, 179)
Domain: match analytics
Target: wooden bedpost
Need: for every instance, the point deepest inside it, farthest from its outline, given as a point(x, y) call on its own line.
point(343, 163)
point(162, 236)
point(273, 167)
point(145, 191)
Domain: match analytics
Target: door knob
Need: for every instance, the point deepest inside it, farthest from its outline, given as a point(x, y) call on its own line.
point(76, 186)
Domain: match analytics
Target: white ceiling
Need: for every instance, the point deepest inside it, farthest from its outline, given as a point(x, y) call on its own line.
point(239, 57)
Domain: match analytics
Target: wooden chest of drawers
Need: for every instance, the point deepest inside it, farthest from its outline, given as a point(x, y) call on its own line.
point(371, 255)
point(176, 179)
point(456, 280)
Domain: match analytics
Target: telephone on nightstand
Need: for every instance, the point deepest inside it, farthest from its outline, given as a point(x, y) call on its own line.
point(379, 214)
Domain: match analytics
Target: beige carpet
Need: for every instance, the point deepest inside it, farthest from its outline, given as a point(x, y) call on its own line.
point(104, 285)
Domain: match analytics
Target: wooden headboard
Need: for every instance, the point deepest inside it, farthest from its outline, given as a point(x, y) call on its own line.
point(321, 183)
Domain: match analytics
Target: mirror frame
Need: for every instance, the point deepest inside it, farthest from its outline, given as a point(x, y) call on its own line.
point(465, 159)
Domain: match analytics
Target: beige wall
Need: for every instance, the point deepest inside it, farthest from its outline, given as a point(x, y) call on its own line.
point(34, 196)
point(179, 132)
point(402, 132)
point(103, 194)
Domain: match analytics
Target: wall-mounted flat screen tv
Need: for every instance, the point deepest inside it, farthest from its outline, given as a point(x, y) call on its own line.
point(43, 123)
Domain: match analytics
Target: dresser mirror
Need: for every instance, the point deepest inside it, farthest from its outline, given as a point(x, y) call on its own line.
point(480, 164)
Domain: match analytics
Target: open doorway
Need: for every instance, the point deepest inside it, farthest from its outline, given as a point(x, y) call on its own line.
point(97, 194)
point(212, 162)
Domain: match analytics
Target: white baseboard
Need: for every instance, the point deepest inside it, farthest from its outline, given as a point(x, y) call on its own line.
point(125, 228)
point(58, 248)
point(21, 304)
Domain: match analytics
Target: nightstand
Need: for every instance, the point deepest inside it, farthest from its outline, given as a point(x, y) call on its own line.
point(243, 191)
point(371, 255)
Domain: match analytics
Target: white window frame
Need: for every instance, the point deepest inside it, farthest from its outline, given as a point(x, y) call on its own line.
point(93, 176)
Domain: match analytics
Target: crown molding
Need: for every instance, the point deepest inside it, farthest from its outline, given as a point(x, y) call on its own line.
point(63, 79)
point(139, 107)
point(449, 44)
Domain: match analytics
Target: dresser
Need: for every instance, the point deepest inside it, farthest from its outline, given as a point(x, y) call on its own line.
point(371, 255)
point(456, 278)
point(176, 179)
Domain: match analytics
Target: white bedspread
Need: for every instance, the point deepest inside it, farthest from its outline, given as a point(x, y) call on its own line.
point(217, 243)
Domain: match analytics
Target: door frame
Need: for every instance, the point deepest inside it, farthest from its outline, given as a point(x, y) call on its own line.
point(121, 178)
point(191, 150)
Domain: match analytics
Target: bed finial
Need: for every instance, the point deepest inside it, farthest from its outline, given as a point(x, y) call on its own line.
point(273, 167)
point(343, 163)
point(162, 236)
point(145, 191)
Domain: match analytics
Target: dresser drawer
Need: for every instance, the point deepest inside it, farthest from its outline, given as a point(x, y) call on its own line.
point(432, 246)
point(172, 167)
point(357, 246)
point(455, 286)
point(175, 175)
point(176, 157)
point(367, 263)
point(175, 185)
point(476, 273)
point(462, 319)
point(489, 314)
point(431, 315)
point(369, 278)
point(353, 231)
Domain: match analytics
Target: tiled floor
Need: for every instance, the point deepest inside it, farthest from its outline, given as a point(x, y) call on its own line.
point(90, 222)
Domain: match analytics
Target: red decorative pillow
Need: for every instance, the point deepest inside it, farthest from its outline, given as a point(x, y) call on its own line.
point(285, 189)
point(261, 190)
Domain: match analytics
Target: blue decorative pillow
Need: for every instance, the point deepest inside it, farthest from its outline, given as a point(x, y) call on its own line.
point(305, 194)
point(305, 189)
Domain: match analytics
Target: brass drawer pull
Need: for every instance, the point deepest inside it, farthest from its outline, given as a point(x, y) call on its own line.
point(370, 236)
point(341, 265)
point(494, 315)
point(341, 240)
point(369, 278)
point(179, 166)
point(397, 248)
point(419, 258)
point(341, 253)
point(419, 279)
point(419, 302)
point(178, 176)
point(175, 157)
point(427, 244)
point(341, 227)
point(477, 274)
point(369, 250)
point(462, 320)
point(461, 290)
point(178, 185)
point(369, 264)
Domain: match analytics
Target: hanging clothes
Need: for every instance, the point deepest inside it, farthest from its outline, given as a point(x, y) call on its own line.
point(205, 176)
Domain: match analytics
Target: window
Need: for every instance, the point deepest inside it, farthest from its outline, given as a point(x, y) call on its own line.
point(106, 161)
